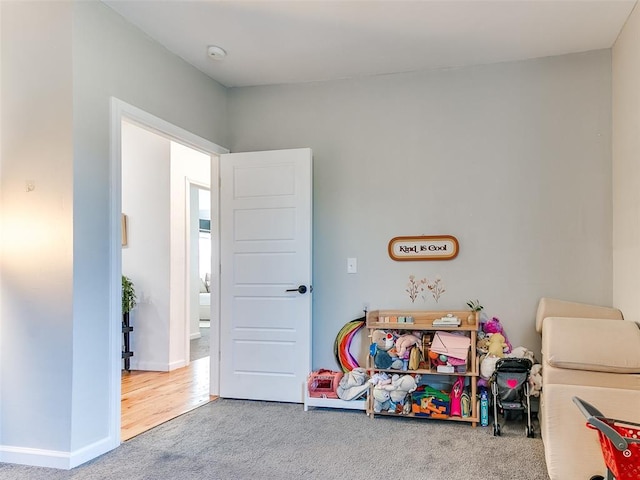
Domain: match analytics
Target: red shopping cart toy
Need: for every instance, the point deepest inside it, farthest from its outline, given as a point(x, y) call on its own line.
point(619, 440)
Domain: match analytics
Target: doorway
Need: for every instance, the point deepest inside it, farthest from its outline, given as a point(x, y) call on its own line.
point(200, 271)
point(279, 301)
point(173, 325)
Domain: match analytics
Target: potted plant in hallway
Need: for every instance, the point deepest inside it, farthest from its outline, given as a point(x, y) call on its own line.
point(128, 303)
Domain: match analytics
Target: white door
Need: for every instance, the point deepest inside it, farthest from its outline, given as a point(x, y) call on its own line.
point(265, 305)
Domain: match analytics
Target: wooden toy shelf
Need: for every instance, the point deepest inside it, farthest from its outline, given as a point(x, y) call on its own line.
point(422, 321)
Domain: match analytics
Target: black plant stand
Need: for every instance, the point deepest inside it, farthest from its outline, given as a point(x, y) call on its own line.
point(126, 348)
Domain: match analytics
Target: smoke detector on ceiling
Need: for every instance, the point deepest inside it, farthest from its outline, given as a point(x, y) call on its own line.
point(216, 52)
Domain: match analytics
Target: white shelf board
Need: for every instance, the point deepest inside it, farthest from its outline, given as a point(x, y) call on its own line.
point(332, 403)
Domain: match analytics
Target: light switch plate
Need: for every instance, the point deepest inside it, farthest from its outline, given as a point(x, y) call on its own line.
point(352, 265)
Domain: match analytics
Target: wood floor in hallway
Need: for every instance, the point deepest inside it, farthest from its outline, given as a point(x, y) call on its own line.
point(152, 398)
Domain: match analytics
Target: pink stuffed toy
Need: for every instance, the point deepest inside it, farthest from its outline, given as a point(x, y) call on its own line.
point(404, 343)
point(494, 326)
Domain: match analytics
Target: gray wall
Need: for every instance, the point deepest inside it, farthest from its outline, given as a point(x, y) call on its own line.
point(113, 58)
point(54, 320)
point(36, 249)
point(513, 159)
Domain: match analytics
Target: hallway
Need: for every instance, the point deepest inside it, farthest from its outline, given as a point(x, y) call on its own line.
point(152, 398)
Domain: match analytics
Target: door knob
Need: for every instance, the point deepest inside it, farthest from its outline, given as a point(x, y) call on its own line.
point(301, 289)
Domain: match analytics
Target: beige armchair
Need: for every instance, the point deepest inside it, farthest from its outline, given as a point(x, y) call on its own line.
point(593, 353)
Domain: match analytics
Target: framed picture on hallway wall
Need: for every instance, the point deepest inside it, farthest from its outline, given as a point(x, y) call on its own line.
point(123, 221)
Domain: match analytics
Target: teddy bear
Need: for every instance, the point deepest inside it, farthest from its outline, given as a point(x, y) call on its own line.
point(382, 350)
point(402, 384)
point(482, 345)
point(535, 380)
point(497, 345)
point(405, 342)
point(384, 340)
point(381, 399)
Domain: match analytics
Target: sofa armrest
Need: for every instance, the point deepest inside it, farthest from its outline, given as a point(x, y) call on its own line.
point(592, 344)
point(551, 307)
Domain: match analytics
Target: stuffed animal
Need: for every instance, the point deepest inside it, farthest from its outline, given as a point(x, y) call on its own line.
point(535, 380)
point(380, 378)
point(405, 342)
point(494, 326)
point(381, 399)
point(488, 366)
point(384, 340)
point(522, 352)
point(483, 345)
point(353, 384)
point(497, 345)
point(402, 384)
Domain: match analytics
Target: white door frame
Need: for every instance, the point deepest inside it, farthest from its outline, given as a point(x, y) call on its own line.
point(119, 111)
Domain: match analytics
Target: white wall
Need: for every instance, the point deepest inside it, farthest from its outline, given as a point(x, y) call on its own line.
point(146, 160)
point(56, 299)
point(157, 175)
point(626, 168)
point(513, 159)
point(36, 320)
point(187, 166)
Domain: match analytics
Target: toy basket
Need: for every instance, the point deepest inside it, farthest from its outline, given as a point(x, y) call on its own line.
point(619, 441)
point(623, 464)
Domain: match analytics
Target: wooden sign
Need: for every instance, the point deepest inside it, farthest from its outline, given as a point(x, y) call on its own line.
point(426, 247)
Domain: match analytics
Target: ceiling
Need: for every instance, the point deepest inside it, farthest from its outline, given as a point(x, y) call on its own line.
point(275, 42)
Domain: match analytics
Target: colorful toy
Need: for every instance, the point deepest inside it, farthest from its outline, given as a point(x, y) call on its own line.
point(342, 344)
point(494, 326)
point(323, 383)
point(456, 395)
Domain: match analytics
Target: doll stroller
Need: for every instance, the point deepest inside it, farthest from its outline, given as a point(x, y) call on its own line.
point(619, 441)
point(510, 389)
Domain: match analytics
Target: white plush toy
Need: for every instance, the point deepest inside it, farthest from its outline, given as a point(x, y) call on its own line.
point(402, 384)
point(380, 379)
point(488, 366)
point(381, 399)
point(488, 362)
point(535, 380)
point(521, 352)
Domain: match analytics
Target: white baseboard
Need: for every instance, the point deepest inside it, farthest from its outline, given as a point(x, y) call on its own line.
point(157, 366)
point(195, 335)
point(149, 366)
point(93, 451)
point(37, 457)
point(177, 364)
